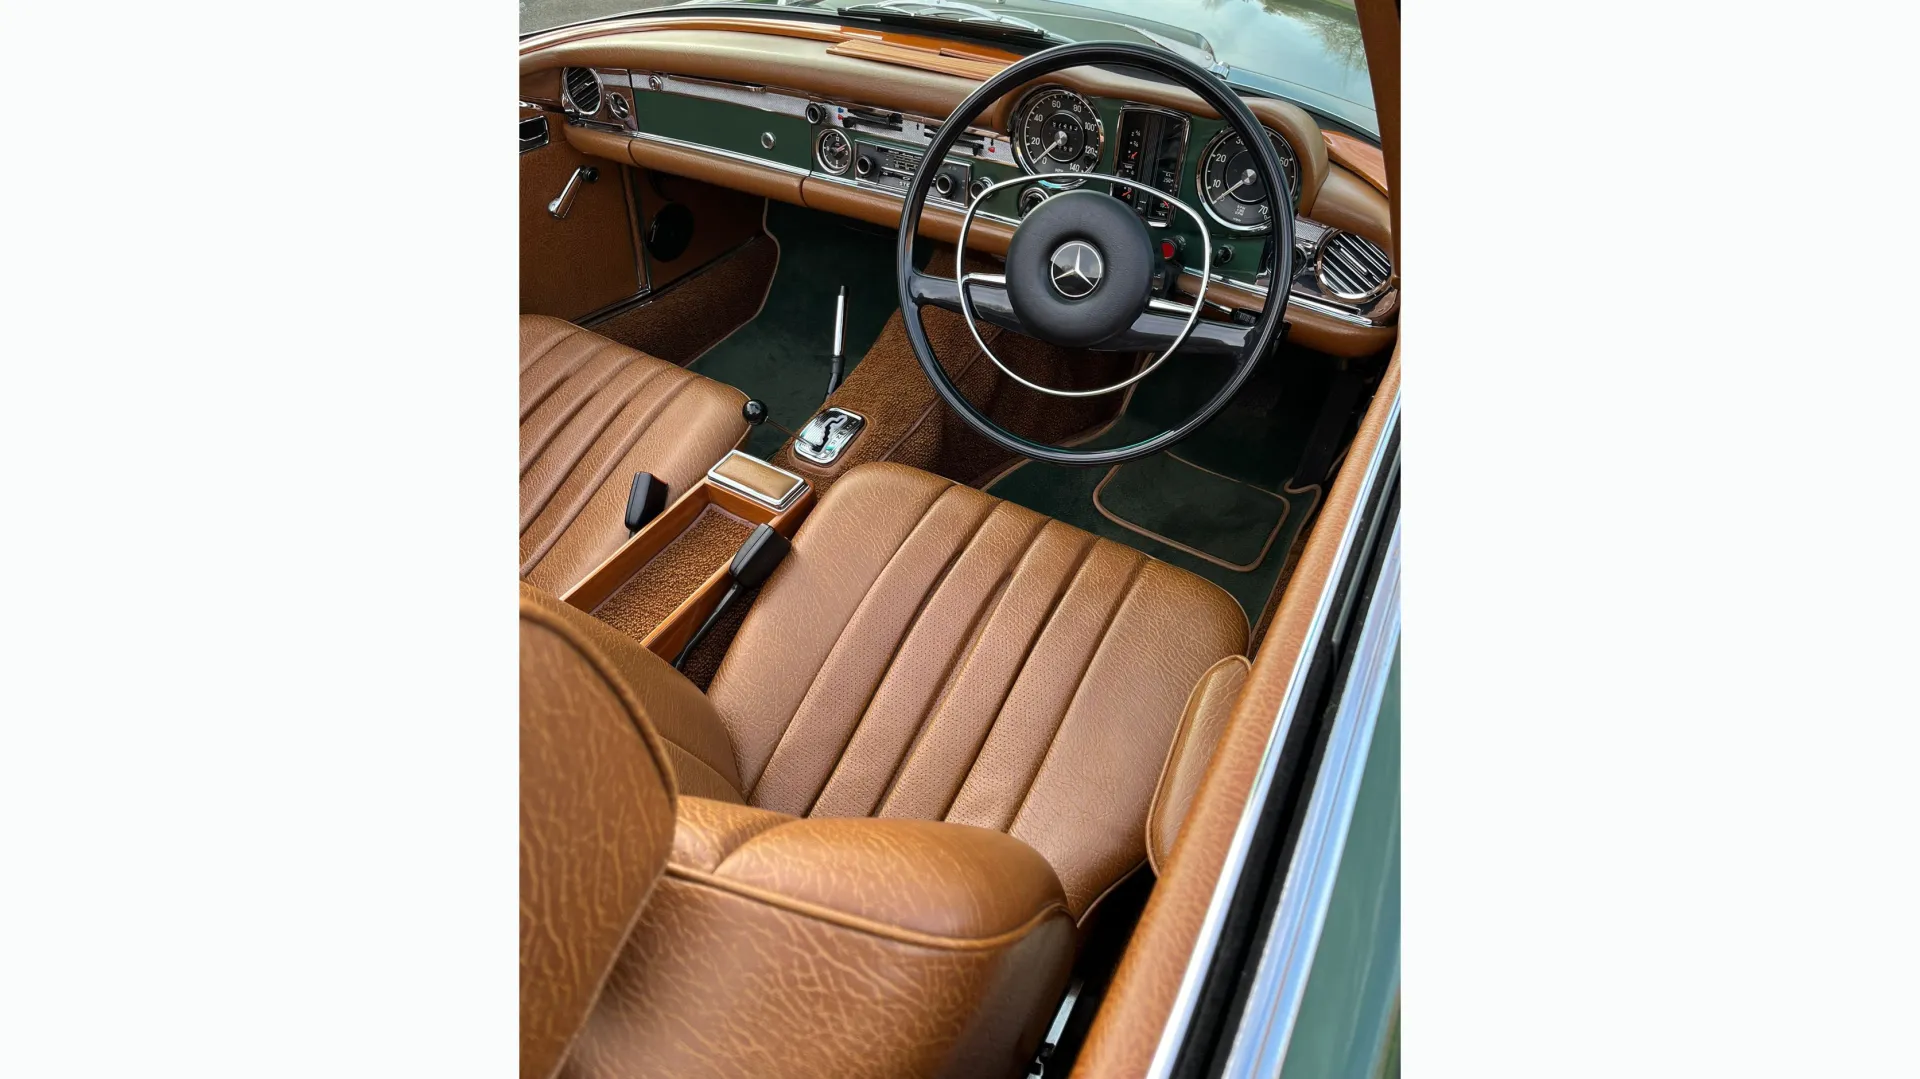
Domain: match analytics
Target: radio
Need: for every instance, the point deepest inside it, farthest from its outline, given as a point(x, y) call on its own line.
point(892, 167)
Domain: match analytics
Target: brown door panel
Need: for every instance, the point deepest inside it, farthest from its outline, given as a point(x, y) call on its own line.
point(570, 267)
point(711, 221)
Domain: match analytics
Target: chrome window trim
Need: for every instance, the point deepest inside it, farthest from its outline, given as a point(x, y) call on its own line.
point(1180, 1017)
point(1272, 1010)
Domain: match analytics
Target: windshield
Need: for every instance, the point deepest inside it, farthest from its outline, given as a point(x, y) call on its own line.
point(1305, 50)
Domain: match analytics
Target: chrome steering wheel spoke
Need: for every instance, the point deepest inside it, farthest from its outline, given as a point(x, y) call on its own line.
point(1156, 330)
point(1133, 341)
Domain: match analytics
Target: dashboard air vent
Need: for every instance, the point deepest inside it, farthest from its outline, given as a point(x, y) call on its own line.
point(583, 90)
point(1352, 268)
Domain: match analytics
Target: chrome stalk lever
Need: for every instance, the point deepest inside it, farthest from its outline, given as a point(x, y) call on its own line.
point(563, 205)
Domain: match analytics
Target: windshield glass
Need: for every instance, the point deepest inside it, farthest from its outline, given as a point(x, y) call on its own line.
point(1306, 50)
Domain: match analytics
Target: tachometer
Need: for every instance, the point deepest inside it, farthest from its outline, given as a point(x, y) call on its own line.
point(1231, 188)
point(1056, 130)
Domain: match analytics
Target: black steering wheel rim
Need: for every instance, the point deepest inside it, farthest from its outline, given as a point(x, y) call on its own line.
point(1232, 111)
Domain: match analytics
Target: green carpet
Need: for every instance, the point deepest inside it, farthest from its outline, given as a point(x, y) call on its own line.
point(1219, 491)
point(1192, 507)
point(783, 356)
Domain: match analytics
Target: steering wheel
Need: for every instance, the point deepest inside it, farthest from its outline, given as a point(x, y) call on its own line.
point(1080, 265)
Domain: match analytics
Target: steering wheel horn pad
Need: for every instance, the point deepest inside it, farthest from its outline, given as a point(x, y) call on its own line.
point(1104, 272)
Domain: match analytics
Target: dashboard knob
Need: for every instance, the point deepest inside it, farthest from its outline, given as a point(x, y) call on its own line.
point(943, 184)
point(1031, 198)
point(1224, 254)
point(978, 187)
point(864, 165)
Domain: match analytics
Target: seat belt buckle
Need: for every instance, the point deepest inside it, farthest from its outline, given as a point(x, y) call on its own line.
point(645, 499)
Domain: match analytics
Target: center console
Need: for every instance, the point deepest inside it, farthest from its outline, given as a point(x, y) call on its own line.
point(664, 582)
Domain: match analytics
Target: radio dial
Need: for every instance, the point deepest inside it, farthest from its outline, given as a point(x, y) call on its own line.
point(943, 185)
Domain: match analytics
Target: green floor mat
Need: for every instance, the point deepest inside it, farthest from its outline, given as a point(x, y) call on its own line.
point(782, 357)
point(1217, 491)
point(1191, 507)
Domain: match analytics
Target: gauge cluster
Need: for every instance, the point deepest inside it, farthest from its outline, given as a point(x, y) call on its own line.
point(1057, 130)
point(1232, 191)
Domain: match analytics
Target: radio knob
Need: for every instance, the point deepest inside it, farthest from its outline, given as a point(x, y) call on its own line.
point(978, 187)
point(943, 185)
point(864, 165)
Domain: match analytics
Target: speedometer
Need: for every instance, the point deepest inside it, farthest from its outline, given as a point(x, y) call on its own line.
point(1056, 130)
point(1232, 191)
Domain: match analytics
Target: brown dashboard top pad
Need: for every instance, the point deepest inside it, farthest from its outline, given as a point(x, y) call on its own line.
point(593, 413)
point(929, 651)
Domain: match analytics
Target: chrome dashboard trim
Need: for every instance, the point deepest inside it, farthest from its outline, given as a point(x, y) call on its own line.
point(945, 204)
point(734, 93)
point(731, 155)
point(1180, 1016)
point(1272, 1010)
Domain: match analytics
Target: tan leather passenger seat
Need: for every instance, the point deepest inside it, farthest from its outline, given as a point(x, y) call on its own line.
point(592, 413)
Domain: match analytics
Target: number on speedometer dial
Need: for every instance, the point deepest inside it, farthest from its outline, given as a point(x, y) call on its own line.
point(1056, 130)
point(1231, 188)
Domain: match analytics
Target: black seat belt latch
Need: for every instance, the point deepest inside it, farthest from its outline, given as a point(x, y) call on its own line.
point(645, 499)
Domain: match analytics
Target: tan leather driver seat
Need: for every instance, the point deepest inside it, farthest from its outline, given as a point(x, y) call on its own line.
point(929, 651)
point(592, 413)
point(1028, 704)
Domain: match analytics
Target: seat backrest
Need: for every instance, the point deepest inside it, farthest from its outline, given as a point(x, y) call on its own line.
point(597, 808)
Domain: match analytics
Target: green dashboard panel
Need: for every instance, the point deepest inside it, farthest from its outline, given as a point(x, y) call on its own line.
point(725, 125)
point(745, 130)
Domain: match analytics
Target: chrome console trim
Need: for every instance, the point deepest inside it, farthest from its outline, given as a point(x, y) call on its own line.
point(1201, 958)
point(785, 500)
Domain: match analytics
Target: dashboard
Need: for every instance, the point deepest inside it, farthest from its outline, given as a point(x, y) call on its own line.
point(855, 154)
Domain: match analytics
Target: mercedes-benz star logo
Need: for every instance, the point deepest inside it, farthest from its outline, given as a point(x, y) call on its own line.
point(1076, 269)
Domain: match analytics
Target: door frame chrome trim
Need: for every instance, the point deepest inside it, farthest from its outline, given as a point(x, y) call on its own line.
point(1173, 1034)
point(1287, 955)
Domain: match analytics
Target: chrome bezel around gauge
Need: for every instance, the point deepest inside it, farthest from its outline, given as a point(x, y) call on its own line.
point(1200, 181)
point(1019, 152)
point(820, 158)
